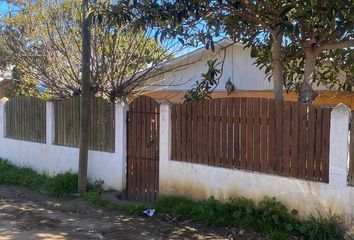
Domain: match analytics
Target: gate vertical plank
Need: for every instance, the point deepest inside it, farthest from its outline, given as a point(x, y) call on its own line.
point(200, 132)
point(256, 142)
point(223, 133)
point(230, 132)
point(310, 171)
point(195, 133)
point(264, 135)
point(302, 140)
point(286, 138)
point(211, 133)
point(271, 143)
point(173, 131)
point(325, 144)
point(183, 132)
point(294, 138)
point(217, 146)
point(249, 136)
point(278, 136)
point(205, 131)
point(243, 127)
point(318, 143)
point(236, 131)
point(178, 132)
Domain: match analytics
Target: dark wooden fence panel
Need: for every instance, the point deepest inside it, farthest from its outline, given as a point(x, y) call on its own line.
point(262, 135)
point(25, 119)
point(67, 124)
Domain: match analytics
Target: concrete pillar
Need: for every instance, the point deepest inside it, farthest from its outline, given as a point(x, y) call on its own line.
point(120, 146)
point(339, 146)
point(2, 117)
point(50, 124)
point(165, 144)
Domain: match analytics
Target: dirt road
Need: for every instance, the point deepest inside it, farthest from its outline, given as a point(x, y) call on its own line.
point(26, 214)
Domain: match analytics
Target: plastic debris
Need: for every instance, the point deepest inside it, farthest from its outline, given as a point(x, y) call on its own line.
point(149, 212)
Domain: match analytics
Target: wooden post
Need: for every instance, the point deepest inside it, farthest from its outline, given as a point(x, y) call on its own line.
point(351, 153)
point(85, 99)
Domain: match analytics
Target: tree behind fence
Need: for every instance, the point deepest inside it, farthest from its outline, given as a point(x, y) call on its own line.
point(263, 135)
point(25, 119)
point(67, 120)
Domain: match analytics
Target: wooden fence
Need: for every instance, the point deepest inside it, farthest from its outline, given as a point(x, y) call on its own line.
point(269, 136)
point(67, 120)
point(25, 119)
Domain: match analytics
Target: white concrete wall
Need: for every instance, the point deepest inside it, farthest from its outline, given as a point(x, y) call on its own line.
point(53, 159)
point(201, 181)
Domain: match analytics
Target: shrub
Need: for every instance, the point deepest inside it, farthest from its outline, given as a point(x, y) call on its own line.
point(323, 227)
point(243, 212)
point(176, 206)
point(62, 185)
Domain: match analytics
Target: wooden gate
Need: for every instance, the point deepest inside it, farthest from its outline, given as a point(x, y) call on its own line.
point(143, 150)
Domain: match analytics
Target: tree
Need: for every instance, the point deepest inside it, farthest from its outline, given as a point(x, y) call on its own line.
point(202, 89)
point(320, 26)
point(250, 22)
point(85, 98)
point(45, 41)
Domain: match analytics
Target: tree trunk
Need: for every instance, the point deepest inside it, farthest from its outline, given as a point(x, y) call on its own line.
point(277, 67)
point(306, 95)
point(85, 99)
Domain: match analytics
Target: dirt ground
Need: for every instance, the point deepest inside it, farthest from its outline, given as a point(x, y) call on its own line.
point(26, 214)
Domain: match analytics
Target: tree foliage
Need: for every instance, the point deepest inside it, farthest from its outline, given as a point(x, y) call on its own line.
point(202, 89)
point(45, 40)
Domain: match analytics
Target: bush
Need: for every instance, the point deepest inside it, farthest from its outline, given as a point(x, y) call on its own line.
point(243, 212)
point(323, 227)
point(62, 185)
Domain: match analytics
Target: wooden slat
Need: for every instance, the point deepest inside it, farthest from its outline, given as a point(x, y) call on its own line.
point(286, 139)
point(236, 132)
point(195, 133)
point(271, 140)
point(223, 134)
point(211, 137)
point(318, 144)
point(278, 136)
point(230, 132)
point(183, 140)
point(217, 127)
point(325, 145)
point(294, 139)
point(264, 135)
point(301, 166)
point(205, 131)
point(189, 131)
point(243, 127)
point(256, 134)
point(173, 132)
point(249, 136)
point(311, 137)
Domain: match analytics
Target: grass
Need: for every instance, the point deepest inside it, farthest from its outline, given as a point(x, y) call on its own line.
point(62, 185)
point(269, 216)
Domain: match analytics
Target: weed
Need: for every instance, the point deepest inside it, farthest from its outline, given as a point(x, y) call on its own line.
point(176, 206)
point(323, 227)
point(61, 185)
point(243, 212)
point(133, 208)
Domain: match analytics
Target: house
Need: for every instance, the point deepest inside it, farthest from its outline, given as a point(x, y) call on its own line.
point(179, 75)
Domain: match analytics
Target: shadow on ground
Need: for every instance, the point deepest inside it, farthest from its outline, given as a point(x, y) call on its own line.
point(26, 214)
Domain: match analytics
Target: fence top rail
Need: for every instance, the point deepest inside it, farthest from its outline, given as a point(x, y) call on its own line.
point(253, 98)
